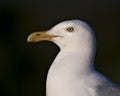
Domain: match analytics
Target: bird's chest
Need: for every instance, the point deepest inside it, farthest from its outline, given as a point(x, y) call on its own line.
point(64, 78)
point(65, 83)
point(67, 87)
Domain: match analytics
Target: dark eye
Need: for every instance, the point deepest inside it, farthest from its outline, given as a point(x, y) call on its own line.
point(70, 29)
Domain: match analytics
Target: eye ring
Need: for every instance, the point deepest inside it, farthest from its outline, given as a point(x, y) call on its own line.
point(70, 29)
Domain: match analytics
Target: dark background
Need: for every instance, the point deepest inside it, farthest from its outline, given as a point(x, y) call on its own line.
point(24, 66)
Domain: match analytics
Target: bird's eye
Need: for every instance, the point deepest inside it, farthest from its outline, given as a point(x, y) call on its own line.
point(70, 29)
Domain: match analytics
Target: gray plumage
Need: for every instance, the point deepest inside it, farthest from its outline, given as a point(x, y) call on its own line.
point(107, 88)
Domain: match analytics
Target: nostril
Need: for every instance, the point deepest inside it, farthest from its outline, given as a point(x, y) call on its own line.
point(38, 34)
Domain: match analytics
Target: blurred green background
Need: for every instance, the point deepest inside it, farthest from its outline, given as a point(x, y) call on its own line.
point(24, 66)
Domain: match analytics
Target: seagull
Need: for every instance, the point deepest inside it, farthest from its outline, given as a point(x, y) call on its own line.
point(72, 73)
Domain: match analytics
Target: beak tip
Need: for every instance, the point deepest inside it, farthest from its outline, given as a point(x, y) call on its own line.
point(28, 39)
point(31, 40)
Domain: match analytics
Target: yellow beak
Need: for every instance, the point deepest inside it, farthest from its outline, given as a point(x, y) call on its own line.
point(40, 36)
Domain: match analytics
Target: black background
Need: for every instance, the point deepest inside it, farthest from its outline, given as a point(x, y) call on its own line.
point(24, 66)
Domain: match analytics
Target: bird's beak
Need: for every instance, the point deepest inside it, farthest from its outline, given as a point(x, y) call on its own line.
point(40, 36)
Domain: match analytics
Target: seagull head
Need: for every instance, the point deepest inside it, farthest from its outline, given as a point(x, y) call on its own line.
point(68, 35)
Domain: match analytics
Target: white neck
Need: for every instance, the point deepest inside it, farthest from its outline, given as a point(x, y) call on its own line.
point(64, 71)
